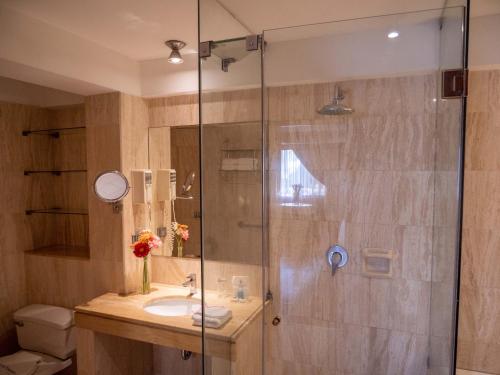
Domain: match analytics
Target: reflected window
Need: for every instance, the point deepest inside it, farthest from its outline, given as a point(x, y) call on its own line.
point(296, 181)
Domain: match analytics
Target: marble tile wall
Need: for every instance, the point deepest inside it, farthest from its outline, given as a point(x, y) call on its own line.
point(21, 233)
point(115, 122)
point(134, 123)
point(15, 236)
point(226, 194)
point(479, 325)
point(377, 169)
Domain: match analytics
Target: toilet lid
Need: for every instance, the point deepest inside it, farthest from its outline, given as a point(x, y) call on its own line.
point(29, 363)
point(54, 316)
point(20, 363)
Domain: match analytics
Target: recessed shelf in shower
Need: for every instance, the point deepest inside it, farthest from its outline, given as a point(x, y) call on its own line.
point(377, 263)
point(237, 160)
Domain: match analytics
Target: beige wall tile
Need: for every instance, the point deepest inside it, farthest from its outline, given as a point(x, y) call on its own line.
point(413, 198)
point(481, 209)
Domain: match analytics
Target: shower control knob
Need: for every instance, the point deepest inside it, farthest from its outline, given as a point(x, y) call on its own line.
point(276, 320)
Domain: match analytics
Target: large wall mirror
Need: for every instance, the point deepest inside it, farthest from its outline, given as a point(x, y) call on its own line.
point(232, 183)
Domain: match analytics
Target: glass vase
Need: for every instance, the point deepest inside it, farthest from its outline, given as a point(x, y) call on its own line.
point(146, 281)
point(179, 248)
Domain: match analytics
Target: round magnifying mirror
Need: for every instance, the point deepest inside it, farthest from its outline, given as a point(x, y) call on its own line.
point(111, 186)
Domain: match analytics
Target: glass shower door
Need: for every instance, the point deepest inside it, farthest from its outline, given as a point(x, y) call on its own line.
point(232, 205)
point(363, 157)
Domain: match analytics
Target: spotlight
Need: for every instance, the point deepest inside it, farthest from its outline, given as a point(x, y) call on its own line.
point(175, 56)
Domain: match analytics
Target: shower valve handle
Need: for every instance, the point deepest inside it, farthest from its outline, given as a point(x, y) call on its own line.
point(337, 257)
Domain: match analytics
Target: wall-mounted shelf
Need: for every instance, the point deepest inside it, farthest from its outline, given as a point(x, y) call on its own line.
point(54, 172)
point(57, 211)
point(54, 133)
point(56, 162)
point(62, 251)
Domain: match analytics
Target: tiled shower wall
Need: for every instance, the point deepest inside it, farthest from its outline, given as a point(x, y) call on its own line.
point(377, 167)
point(479, 329)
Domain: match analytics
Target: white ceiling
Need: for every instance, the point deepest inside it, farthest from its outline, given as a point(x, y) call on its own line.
point(137, 29)
point(95, 46)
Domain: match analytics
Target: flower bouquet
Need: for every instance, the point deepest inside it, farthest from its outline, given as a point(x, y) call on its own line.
point(181, 232)
point(146, 242)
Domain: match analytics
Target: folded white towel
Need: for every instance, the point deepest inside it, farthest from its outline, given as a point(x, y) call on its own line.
point(211, 322)
point(215, 316)
point(20, 363)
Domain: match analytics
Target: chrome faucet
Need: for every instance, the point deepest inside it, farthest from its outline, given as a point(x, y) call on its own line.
point(191, 282)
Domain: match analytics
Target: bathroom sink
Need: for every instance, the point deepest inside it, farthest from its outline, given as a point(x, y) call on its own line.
point(173, 306)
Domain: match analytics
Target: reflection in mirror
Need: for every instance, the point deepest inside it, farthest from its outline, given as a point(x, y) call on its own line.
point(232, 192)
point(111, 186)
point(175, 149)
point(188, 184)
point(297, 185)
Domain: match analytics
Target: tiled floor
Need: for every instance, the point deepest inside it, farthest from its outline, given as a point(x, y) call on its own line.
point(466, 372)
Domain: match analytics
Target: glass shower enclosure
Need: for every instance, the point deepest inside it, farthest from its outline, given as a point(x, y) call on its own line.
point(331, 158)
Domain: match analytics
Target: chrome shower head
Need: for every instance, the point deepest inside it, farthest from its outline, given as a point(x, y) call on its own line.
point(336, 107)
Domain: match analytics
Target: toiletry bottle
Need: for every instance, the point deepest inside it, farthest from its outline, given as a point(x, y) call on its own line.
point(241, 292)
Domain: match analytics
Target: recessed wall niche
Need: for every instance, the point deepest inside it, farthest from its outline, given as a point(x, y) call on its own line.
point(56, 180)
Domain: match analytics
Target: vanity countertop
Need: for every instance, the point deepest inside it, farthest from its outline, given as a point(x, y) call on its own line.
point(130, 309)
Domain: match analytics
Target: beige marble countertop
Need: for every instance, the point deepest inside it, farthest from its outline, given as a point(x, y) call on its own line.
point(130, 309)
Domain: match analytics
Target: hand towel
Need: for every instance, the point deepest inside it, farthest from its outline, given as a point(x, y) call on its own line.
point(215, 316)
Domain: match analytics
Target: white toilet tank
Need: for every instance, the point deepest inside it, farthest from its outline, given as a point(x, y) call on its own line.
point(46, 329)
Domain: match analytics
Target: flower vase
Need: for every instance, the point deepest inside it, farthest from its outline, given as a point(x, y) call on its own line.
point(179, 248)
point(146, 281)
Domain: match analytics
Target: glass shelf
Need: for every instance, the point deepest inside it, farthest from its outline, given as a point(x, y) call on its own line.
point(62, 251)
point(54, 133)
point(54, 172)
point(57, 211)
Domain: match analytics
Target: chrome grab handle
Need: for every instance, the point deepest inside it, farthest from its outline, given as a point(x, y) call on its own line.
point(336, 257)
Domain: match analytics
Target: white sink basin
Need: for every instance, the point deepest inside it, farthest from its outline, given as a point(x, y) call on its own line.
point(173, 306)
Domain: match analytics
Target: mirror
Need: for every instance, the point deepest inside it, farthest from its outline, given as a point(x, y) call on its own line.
point(232, 181)
point(177, 148)
point(111, 186)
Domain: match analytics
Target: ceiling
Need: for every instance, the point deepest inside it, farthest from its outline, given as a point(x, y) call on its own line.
point(137, 29)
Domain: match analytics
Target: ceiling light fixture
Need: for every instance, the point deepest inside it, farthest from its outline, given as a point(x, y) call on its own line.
point(175, 56)
point(393, 35)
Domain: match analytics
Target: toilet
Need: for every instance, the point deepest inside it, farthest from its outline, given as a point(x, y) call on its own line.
point(47, 336)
